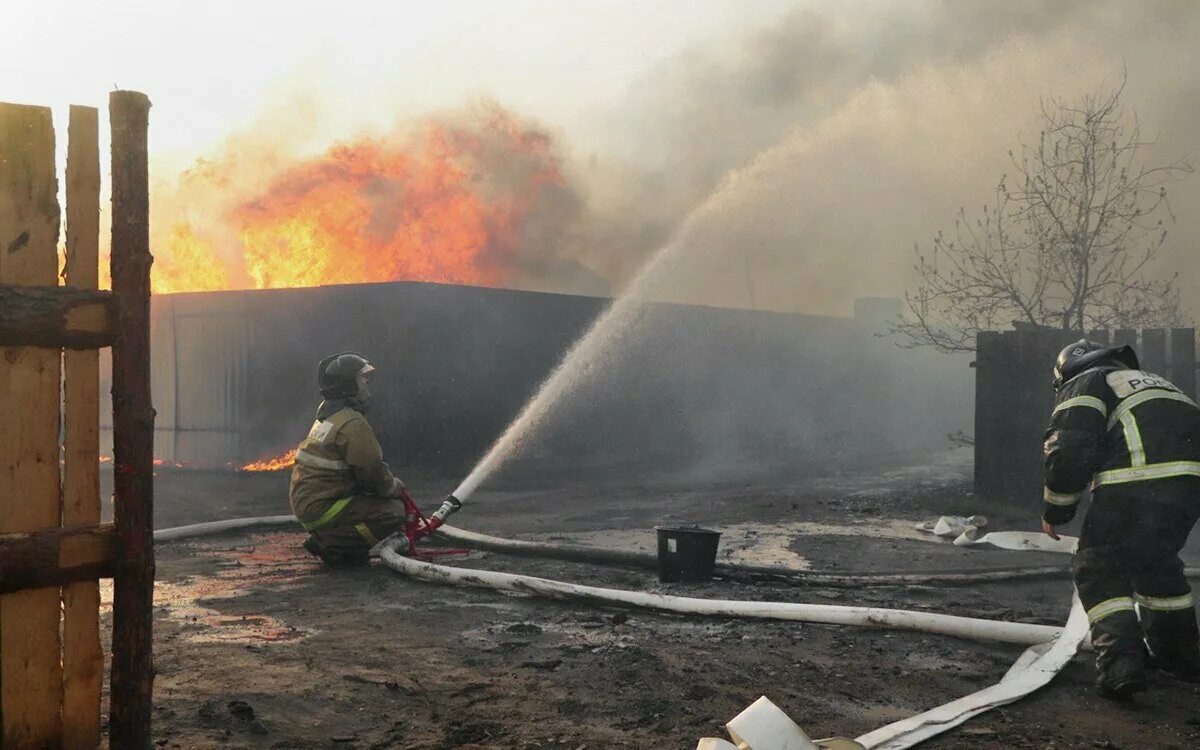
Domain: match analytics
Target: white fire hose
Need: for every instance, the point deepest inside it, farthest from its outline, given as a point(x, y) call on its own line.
point(1050, 649)
point(829, 614)
point(212, 528)
point(961, 627)
point(629, 558)
point(648, 561)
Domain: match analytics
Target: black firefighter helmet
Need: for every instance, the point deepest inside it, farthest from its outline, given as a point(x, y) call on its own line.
point(337, 375)
point(1084, 354)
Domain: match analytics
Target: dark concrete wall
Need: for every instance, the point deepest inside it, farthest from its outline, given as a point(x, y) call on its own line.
point(694, 391)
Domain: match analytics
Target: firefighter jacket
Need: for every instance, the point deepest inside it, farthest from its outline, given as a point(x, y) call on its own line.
point(340, 459)
point(1115, 427)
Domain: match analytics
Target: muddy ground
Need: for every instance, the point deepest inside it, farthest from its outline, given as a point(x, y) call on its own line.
point(258, 646)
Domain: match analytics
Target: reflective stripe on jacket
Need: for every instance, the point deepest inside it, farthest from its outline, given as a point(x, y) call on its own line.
point(1115, 426)
point(339, 459)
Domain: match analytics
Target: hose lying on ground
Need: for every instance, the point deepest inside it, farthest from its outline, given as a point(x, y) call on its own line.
point(829, 614)
point(769, 728)
point(1032, 670)
point(963, 627)
point(221, 527)
point(632, 559)
point(646, 560)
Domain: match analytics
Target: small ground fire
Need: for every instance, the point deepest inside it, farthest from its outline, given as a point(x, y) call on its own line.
point(277, 463)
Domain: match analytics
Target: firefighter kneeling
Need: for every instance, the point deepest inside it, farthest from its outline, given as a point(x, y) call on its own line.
point(341, 489)
point(1135, 438)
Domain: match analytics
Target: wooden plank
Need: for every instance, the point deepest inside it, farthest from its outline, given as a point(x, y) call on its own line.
point(51, 558)
point(83, 657)
point(55, 317)
point(992, 351)
point(1183, 359)
point(30, 649)
point(1033, 382)
point(1153, 354)
point(133, 426)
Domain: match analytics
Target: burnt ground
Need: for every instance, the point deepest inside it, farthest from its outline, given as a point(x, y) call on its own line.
point(258, 646)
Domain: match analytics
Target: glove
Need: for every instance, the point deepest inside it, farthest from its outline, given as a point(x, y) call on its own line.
point(1056, 515)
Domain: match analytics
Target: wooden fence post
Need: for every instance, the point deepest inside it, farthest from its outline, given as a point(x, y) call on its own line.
point(133, 426)
point(83, 659)
point(30, 669)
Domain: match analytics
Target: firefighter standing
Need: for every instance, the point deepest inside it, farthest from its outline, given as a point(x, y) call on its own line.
point(1135, 439)
point(341, 489)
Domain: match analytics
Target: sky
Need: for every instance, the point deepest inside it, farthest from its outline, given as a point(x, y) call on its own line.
point(212, 67)
point(841, 134)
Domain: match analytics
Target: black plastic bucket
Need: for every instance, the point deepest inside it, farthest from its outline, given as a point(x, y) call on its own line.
point(686, 553)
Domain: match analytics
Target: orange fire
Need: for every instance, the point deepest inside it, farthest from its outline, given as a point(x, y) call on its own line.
point(273, 464)
point(188, 265)
point(448, 204)
point(157, 462)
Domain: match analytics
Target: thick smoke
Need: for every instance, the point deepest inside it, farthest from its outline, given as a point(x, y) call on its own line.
point(839, 138)
point(876, 123)
point(835, 142)
point(879, 124)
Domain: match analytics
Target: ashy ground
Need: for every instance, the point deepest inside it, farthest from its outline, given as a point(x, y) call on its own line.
point(258, 646)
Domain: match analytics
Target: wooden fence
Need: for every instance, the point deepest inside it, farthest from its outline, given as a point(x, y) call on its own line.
point(1013, 397)
point(53, 548)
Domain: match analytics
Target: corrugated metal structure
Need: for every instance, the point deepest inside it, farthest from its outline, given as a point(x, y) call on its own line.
point(692, 389)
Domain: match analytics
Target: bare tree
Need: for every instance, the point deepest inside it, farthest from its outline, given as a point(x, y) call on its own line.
point(1068, 243)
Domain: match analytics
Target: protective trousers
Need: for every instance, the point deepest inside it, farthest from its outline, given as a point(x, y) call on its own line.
point(346, 532)
point(1128, 555)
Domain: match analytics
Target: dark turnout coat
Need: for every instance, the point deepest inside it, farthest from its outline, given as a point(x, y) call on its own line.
point(1114, 427)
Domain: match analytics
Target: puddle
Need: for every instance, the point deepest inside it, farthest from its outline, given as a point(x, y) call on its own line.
point(203, 625)
point(757, 543)
point(275, 560)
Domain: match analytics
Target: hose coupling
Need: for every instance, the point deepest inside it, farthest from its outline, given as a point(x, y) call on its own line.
point(450, 506)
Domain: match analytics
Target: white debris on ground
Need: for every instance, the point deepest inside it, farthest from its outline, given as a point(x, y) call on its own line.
point(965, 531)
point(764, 544)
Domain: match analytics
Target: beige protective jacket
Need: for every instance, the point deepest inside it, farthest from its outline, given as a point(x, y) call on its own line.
point(339, 459)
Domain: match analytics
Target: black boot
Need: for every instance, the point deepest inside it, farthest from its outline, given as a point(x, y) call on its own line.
point(312, 546)
point(336, 557)
point(1123, 673)
point(1120, 656)
point(1174, 641)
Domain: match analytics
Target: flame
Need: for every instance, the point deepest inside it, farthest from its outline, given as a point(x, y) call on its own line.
point(449, 202)
point(157, 462)
point(189, 264)
point(273, 464)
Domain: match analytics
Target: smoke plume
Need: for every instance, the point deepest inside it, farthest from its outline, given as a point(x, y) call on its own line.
point(878, 124)
point(867, 126)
